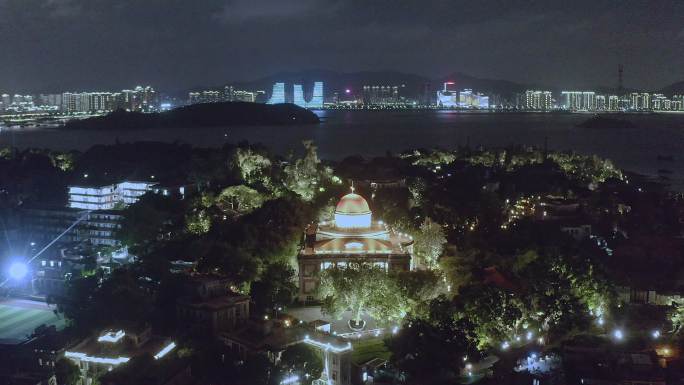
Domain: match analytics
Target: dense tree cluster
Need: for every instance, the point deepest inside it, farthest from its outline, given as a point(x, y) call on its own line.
point(489, 269)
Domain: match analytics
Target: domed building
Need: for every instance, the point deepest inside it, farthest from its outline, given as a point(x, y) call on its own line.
point(351, 237)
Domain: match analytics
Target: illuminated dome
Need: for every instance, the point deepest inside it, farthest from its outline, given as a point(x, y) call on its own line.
point(352, 211)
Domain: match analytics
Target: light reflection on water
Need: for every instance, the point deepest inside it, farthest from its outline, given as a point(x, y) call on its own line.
point(368, 133)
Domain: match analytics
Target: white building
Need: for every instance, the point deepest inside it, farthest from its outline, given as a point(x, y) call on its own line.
point(109, 197)
point(578, 100)
point(538, 100)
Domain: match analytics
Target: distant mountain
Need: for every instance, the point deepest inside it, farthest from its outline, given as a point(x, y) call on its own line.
point(340, 81)
point(673, 89)
point(413, 85)
point(200, 115)
point(502, 87)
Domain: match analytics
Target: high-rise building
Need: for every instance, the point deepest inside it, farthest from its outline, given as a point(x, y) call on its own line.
point(426, 96)
point(660, 102)
point(589, 101)
point(230, 94)
point(538, 100)
point(50, 100)
point(678, 102)
point(601, 102)
point(140, 99)
point(482, 101)
point(68, 102)
point(613, 103)
point(634, 99)
point(571, 100)
point(316, 100)
point(100, 101)
point(243, 96)
point(465, 98)
point(278, 94)
point(640, 101)
point(298, 96)
point(578, 100)
point(112, 196)
point(380, 95)
point(469, 99)
point(447, 98)
point(317, 96)
point(207, 96)
point(645, 101)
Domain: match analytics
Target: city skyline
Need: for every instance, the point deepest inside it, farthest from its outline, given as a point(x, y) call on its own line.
point(583, 41)
point(371, 96)
point(341, 192)
point(611, 82)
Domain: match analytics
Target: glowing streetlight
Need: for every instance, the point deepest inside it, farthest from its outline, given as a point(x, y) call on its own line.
point(18, 270)
point(655, 334)
point(617, 333)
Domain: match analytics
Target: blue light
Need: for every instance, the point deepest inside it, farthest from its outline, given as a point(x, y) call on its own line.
point(278, 94)
point(18, 270)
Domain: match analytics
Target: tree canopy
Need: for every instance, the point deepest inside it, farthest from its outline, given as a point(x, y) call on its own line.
point(361, 288)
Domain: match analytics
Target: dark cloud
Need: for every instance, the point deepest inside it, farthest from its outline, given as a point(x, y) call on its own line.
point(91, 44)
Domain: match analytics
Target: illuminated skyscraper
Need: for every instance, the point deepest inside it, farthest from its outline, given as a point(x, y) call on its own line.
point(381, 95)
point(317, 97)
point(589, 101)
point(613, 102)
point(447, 98)
point(601, 102)
point(538, 100)
point(465, 98)
point(645, 101)
point(299, 96)
point(578, 100)
point(278, 94)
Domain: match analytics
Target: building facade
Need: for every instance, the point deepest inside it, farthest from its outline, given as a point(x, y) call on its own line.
point(352, 237)
point(112, 196)
point(538, 100)
point(210, 307)
point(377, 95)
point(97, 227)
point(278, 94)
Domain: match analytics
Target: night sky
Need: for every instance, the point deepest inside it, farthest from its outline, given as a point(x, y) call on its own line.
point(58, 45)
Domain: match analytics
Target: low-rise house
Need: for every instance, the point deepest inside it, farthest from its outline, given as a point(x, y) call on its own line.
point(272, 337)
point(211, 307)
point(114, 347)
